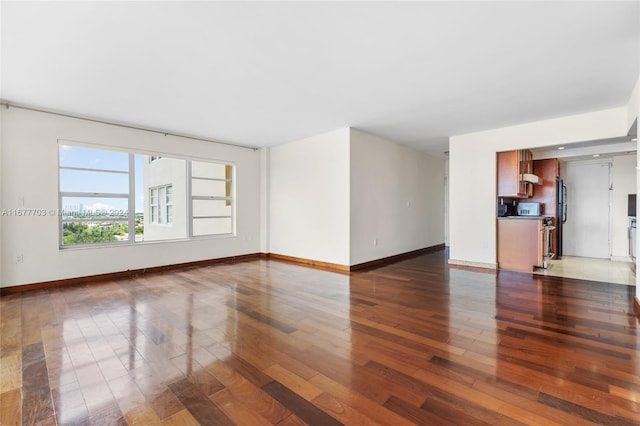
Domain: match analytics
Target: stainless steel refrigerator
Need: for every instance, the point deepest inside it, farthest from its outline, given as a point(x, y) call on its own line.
point(561, 214)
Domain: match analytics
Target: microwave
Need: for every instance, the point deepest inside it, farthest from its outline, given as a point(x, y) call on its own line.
point(529, 209)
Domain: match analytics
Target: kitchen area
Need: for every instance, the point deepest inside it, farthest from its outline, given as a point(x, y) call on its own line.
point(531, 211)
point(564, 216)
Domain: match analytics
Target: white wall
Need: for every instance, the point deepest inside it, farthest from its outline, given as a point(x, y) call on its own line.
point(624, 183)
point(397, 198)
point(472, 174)
point(309, 198)
point(1, 200)
point(634, 115)
point(633, 106)
point(29, 170)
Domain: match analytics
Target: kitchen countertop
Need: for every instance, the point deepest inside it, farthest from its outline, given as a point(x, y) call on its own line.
point(522, 217)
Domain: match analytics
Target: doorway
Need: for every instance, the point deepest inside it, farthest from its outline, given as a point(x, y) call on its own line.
point(587, 229)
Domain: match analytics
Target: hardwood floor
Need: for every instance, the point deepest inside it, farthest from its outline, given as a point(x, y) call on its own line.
point(268, 342)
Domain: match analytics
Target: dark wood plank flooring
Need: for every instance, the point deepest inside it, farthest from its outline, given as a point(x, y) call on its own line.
point(267, 342)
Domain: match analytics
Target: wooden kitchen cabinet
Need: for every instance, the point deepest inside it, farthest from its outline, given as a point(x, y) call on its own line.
point(511, 166)
point(520, 243)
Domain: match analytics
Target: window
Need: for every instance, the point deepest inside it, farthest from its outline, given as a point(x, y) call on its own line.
point(153, 196)
point(168, 204)
point(211, 198)
point(93, 196)
point(161, 205)
point(104, 193)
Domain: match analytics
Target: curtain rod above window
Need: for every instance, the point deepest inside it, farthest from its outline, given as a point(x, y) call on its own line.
point(8, 104)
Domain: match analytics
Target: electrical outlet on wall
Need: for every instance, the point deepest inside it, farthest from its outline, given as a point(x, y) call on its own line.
point(19, 258)
point(375, 241)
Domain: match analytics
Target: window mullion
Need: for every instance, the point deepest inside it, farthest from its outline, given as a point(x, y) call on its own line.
point(132, 197)
point(189, 200)
point(87, 169)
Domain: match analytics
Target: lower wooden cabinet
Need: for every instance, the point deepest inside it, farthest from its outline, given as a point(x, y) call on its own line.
point(520, 244)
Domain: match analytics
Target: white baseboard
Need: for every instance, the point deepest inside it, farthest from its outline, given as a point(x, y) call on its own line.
point(620, 258)
point(471, 264)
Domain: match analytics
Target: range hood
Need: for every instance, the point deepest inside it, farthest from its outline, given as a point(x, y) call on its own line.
point(528, 177)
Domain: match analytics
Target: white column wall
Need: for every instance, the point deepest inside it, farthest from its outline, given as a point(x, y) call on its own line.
point(265, 164)
point(309, 198)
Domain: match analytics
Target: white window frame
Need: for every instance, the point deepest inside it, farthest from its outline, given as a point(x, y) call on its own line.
point(154, 213)
point(229, 199)
point(62, 219)
point(165, 205)
point(168, 204)
point(161, 205)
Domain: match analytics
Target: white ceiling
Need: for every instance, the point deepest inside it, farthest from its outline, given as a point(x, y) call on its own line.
point(261, 74)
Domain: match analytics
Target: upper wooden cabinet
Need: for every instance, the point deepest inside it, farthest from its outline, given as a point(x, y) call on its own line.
point(511, 166)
